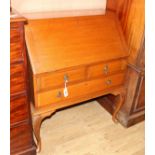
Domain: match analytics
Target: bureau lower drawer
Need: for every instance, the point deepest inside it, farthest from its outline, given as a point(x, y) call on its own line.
point(53, 80)
point(79, 89)
point(106, 68)
point(17, 78)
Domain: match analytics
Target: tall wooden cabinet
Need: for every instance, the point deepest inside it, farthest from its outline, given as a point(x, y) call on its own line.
point(131, 14)
point(21, 138)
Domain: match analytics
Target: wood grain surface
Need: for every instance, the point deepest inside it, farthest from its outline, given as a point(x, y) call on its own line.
point(21, 140)
point(73, 41)
point(132, 17)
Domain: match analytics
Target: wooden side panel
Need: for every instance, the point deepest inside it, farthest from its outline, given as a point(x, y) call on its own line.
point(140, 95)
point(131, 14)
point(111, 5)
point(132, 17)
point(116, 5)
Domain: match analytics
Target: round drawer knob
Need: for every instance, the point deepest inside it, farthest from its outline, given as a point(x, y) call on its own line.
point(108, 82)
point(106, 69)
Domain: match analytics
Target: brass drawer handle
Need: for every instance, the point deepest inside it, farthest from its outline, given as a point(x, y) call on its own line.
point(108, 82)
point(59, 94)
point(106, 69)
point(66, 78)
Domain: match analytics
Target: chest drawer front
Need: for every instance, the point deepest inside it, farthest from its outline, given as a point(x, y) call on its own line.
point(80, 89)
point(20, 139)
point(16, 52)
point(15, 35)
point(57, 79)
point(18, 109)
point(15, 45)
point(104, 69)
point(17, 79)
point(15, 25)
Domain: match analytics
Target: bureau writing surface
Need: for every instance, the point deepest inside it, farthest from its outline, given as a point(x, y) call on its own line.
point(73, 41)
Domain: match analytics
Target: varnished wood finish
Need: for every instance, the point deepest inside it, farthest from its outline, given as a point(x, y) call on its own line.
point(90, 34)
point(16, 104)
point(131, 14)
point(57, 78)
point(133, 24)
point(18, 81)
point(78, 90)
point(111, 5)
point(106, 68)
point(90, 52)
point(21, 140)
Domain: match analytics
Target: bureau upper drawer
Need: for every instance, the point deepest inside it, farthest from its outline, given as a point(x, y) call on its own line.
point(57, 79)
point(17, 78)
point(104, 69)
point(79, 89)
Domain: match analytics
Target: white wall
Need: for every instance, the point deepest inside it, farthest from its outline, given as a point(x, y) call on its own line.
point(27, 6)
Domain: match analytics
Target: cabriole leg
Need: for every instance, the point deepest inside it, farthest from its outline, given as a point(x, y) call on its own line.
point(119, 104)
point(37, 120)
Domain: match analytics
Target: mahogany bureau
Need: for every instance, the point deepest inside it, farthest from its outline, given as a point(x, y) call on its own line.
point(21, 137)
point(74, 59)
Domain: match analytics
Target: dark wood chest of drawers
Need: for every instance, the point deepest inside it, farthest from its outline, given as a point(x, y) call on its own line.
point(21, 138)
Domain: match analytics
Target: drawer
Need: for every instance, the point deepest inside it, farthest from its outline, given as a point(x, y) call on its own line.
point(15, 36)
point(16, 54)
point(17, 78)
point(20, 138)
point(16, 25)
point(15, 45)
point(18, 109)
point(104, 69)
point(80, 89)
point(57, 79)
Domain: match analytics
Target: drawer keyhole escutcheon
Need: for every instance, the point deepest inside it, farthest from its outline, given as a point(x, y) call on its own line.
point(108, 82)
point(59, 94)
point(106, 69)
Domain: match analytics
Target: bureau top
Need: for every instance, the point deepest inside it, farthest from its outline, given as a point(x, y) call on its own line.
point(59, 43)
